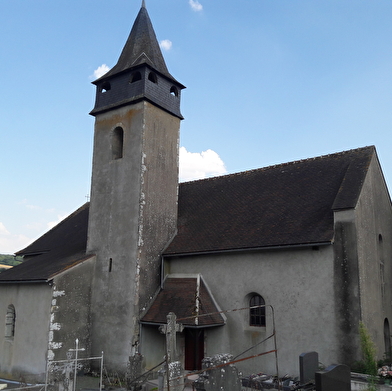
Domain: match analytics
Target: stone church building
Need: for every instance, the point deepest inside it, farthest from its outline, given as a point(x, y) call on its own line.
point(309, 239)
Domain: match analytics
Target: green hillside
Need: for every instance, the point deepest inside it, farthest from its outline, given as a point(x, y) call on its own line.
point(9, 260)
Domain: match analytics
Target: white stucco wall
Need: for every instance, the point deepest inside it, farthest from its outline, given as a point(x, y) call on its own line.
point(49, 318)
point(26, 353)
point(298, 283)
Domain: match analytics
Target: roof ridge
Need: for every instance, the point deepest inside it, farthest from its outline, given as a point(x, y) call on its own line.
point(285, 164)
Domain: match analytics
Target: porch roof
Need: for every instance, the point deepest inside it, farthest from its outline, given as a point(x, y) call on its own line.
point(191, 301)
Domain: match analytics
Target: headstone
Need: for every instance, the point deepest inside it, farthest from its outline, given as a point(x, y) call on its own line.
point(134, 371)
point(218, 374)
point(171, 329)
point(175, 381)
point(308, 366)
point(173, 370)
point(335, 377)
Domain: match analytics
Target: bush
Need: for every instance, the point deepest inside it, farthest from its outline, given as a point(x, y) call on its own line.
point(368, 351)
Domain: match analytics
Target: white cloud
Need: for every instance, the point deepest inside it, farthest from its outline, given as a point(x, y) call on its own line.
point(165, 44)
point(3, 230)
point(52, 224)
point(10, 243)
point(100, 71)
point(195, 5)
point(194, 165)
point(29, 206)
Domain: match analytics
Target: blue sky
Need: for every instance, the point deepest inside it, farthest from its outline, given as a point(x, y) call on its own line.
point(268, 81)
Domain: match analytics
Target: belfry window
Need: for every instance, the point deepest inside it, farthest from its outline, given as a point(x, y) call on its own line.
point(117, 143)
point(153, 77)
point(257, 311)
point(10, 322)
point(106, 86)
point(135, 77)
point(174, 91)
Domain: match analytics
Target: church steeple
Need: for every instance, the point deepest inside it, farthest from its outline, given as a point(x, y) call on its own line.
point(134, 190)
point(141, 61)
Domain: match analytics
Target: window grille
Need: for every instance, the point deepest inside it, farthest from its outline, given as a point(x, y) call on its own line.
point(257, 315)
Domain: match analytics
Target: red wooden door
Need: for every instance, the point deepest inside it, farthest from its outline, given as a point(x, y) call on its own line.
point(194, 348)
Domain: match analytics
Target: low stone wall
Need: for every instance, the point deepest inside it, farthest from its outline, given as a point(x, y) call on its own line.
point(358, 385)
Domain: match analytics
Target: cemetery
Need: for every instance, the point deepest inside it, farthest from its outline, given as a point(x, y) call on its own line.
point(219, 372)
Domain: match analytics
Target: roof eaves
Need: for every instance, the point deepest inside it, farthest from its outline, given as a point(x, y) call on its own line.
point(260, 248)
point(24, 281)
point(70, 266)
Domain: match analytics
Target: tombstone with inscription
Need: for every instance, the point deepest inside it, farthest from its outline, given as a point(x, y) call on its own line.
point(335, 377)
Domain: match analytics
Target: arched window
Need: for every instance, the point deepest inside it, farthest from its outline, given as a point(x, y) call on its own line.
point(106, 86)
point(256, 313)
point(117, 143)
point(136, 76)
point(10, 322)
point(387, 339)
point(174, 91)
point(153, 77)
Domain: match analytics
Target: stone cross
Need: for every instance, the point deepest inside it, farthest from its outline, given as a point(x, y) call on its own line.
point(171, 329)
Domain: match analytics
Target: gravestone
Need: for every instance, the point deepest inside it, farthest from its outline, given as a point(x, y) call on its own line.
point(171, 377)
point(134, 371)
point(170, 330)
point(218, 374)
point(334, 378)
point(308, 366)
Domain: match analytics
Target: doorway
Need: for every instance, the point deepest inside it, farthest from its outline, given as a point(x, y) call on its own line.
point(194, 348)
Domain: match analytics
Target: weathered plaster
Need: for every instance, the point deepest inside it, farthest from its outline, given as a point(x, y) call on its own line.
point(26, 353)
point(374, 224)
point(70, 318)
point(297, 283)
point(133, 214)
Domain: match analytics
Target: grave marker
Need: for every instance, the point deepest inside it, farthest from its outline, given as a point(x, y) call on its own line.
point(334, 378)
point(308, 366)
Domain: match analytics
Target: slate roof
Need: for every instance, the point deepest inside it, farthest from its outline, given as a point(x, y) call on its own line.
point(286, 204)
point(283, 205)
point(141, 48)
point(56, 251)
point(179, 296)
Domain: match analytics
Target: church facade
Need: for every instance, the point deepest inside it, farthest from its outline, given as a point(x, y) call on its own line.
point(301, 250)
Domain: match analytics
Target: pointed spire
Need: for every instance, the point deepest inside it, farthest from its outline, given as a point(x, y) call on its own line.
point(141, 47)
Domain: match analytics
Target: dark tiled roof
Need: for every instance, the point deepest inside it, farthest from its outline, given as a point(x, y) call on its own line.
point(59, 249)
point(141, 48)
point(286, 204)
point(179, 296)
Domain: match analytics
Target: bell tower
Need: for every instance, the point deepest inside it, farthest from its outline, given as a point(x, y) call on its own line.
point(133, 207)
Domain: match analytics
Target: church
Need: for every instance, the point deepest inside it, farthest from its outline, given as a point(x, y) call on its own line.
point(300, 250)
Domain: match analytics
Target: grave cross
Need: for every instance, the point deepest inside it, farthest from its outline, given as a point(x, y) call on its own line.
point(171, 329)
